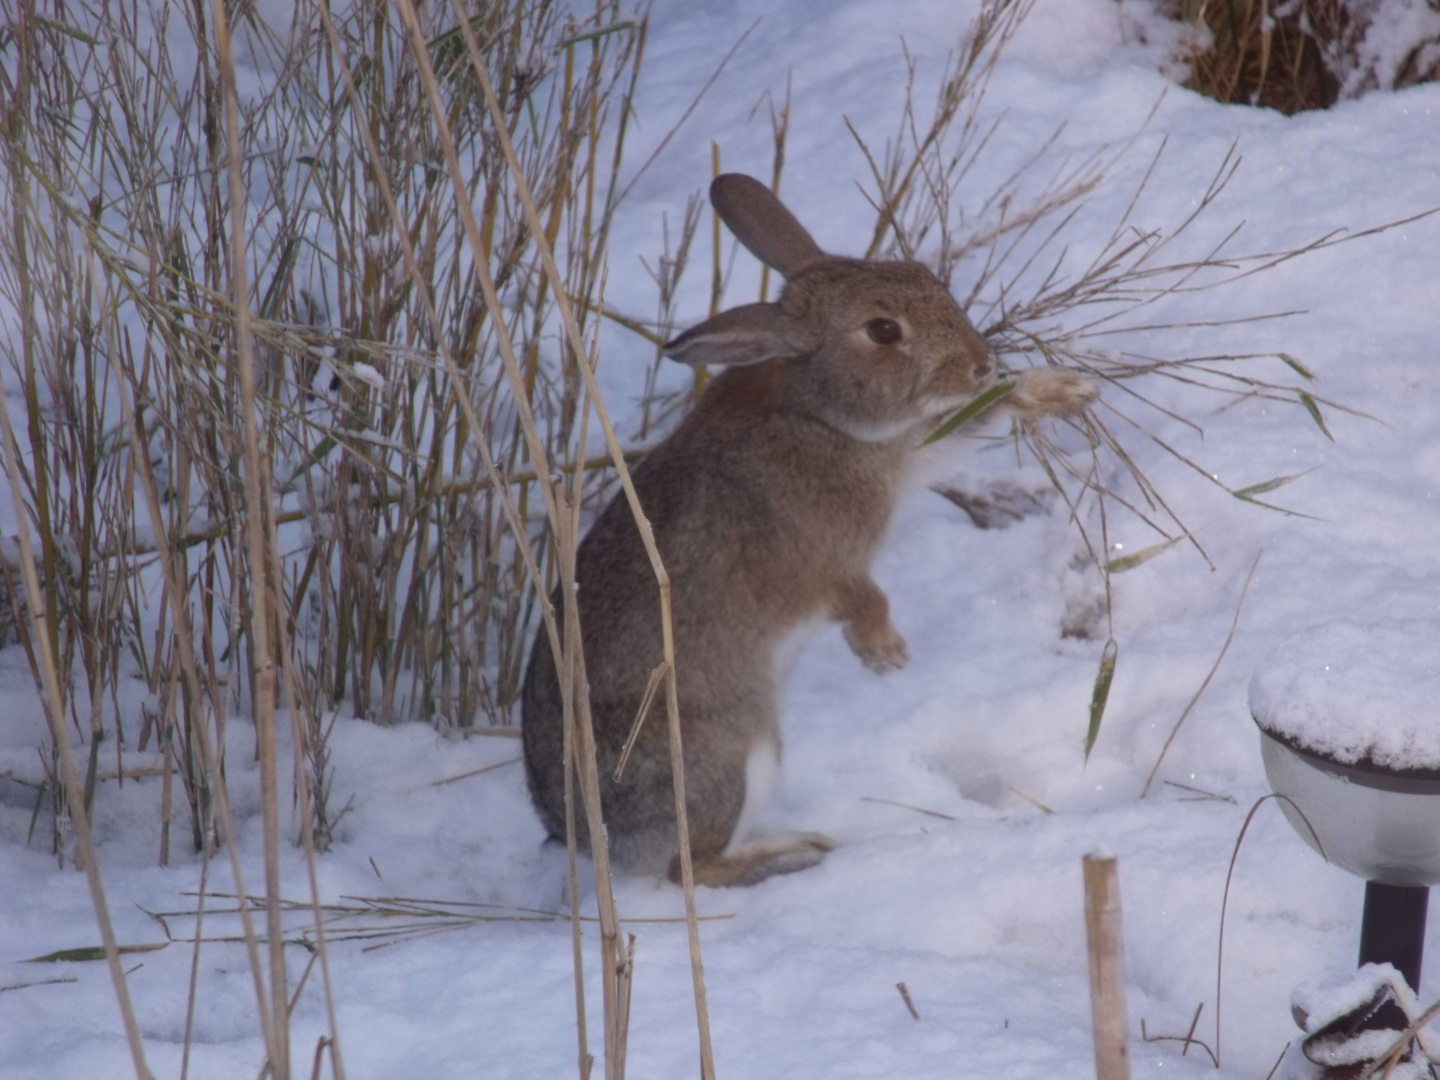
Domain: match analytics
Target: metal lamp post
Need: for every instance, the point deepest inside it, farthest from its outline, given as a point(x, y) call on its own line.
point(1381, 825)
point(1348, 741)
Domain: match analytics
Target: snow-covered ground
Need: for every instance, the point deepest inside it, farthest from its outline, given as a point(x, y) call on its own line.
point(976, 905)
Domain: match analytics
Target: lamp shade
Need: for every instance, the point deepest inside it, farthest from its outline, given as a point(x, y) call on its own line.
point(1349, 715)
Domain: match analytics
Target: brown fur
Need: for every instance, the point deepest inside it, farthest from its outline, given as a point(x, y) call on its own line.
point(768, 503)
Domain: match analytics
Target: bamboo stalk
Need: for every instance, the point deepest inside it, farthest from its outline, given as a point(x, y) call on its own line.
point(307, 836)
point(1107, 967)
point(43, 644)
point(642, 524)
point(256, 536)
point(614, 971)
point(687, 871)
point(209, 748)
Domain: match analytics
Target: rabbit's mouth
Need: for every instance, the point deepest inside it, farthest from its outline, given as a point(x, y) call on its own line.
point(940, 407)
point(901, 427)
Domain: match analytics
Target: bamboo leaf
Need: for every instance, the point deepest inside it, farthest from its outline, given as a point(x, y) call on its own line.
point(68, 31)
point(1129, 562)
point(315, 457)
point(279, 279)
point(591, 35)
point(1103, 678)
point(451, 39)
point(94, 952)
point(1268, 485)
point(973, 409)
point(1297, 367)
point(1314, 410)
point(1277, 509)
point(1248, 494)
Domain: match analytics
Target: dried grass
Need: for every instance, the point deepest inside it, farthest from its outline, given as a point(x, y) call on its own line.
point(1301, 54)
point(332, 515)
point(1266, 54)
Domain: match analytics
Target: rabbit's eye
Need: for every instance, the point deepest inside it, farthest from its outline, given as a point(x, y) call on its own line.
point(883, 331)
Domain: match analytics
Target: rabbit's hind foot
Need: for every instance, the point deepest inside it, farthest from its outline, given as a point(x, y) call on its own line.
point(758, 859)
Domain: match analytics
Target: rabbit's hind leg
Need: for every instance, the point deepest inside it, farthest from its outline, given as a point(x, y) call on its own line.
point(757, 859)
point(735, 856)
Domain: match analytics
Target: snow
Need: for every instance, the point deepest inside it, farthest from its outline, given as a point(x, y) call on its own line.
point(1334, 998)
point(1356, 692)
point(1326, 999)
point(1390, 42)
point(958, 788)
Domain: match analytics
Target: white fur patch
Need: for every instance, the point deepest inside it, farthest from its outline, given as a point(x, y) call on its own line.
point(788, 649)
point(762, 774)
point(878, 432)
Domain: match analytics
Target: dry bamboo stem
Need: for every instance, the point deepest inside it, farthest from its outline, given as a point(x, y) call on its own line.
point(617, 454)
point(291, 687)
point(1107, 967)
point(507, 349)
point(615, 973)
point(687, 875)
point(623, 969)
point(256, 537)
point(506, 346)
point(190, 671)
point(73, 792)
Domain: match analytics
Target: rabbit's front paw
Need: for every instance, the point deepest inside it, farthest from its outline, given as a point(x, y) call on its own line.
point(1042, 392)
point(880, 648)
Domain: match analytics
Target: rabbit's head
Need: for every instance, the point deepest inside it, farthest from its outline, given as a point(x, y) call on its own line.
point(874, 349)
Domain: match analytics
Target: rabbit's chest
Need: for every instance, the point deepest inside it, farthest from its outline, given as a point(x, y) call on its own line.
point(848, 516)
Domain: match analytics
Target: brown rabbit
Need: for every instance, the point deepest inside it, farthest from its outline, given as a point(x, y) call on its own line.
point(768, 504)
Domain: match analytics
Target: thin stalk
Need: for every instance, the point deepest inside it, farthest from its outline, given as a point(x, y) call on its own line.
point(42, 644)
point(184, 637)
point(599, 854)
point(256, 536)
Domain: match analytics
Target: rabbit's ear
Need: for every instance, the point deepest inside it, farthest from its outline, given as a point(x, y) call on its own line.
point(747, 334)
point(760, 221)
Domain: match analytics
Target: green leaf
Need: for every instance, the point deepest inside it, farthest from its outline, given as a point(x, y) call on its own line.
point(1268, 485)
point(453, 39)
point(591, 35)
point(94, 952)
point(972, 410)
point(1297, 367)
point(317, 455)
point(1248, 494)
point(1101, 694)
point(279, 279)
point(1314, 411)
point(68, 31)
point(1129, 562)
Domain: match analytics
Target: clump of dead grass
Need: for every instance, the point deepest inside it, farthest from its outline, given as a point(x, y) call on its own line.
point(1308, 54)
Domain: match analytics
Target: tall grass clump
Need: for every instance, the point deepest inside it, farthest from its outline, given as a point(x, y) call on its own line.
point(1308, 54)
point(298, 434)
point(398, 588)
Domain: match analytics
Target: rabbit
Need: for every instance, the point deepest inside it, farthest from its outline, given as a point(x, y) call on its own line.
point(768, 503)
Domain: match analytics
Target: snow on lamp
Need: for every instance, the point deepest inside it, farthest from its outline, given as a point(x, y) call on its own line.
point(1349, 717)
